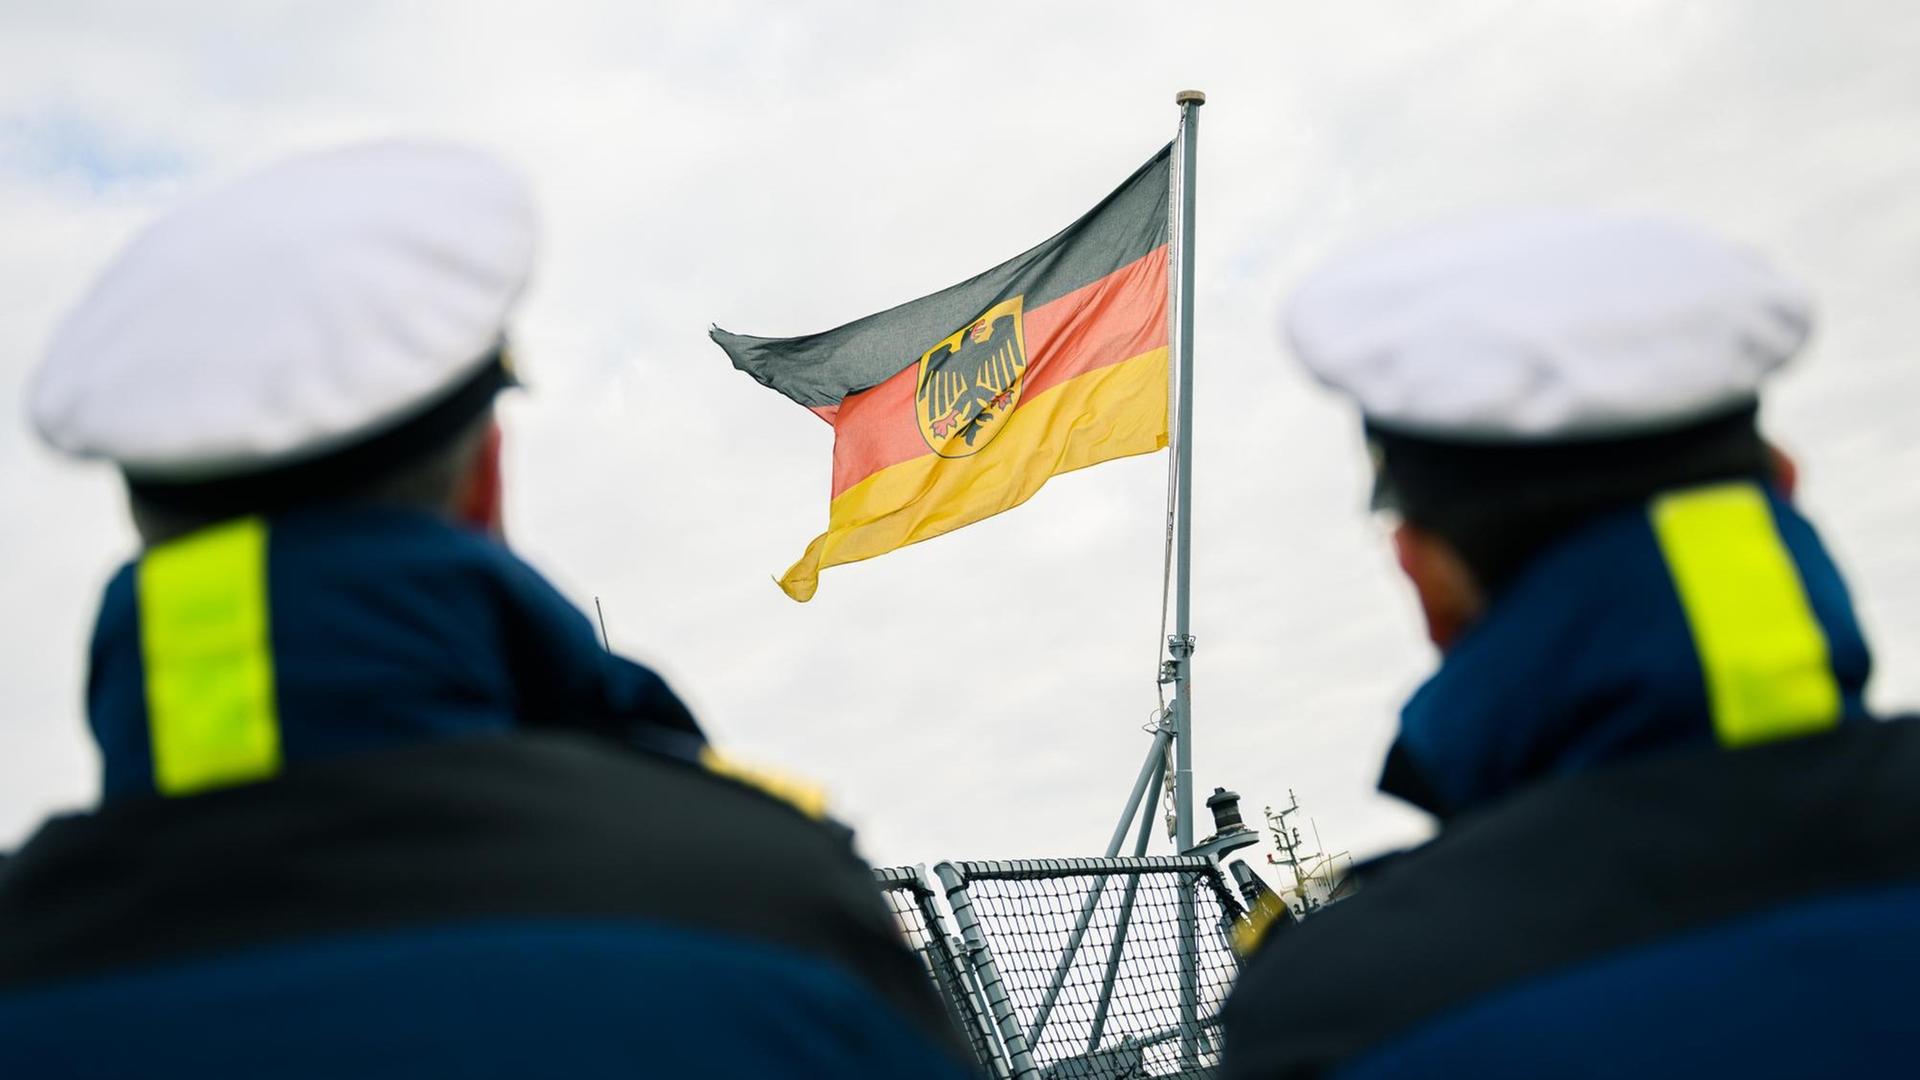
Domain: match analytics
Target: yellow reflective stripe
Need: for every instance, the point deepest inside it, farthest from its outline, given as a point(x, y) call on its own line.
point(209, 663)
point(1267, 910)
point(802, 796)
point(1764, 654)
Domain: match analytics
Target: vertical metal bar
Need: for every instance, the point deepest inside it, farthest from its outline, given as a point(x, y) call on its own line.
point(1120, 927)
point(963, 984)
point(1001, 1068)
point(1152, 770)
point(1189, 102)
point(982, 1018)
point(982, 960)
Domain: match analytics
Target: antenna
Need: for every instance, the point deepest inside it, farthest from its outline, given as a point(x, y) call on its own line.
point(606, 644)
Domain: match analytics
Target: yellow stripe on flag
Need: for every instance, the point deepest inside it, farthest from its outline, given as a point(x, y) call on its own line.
point(1764, 654)
point(204, 641)
point(1110, 412)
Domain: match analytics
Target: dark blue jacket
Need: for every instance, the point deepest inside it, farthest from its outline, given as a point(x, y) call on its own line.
point(378, 804)
point(1672, 844)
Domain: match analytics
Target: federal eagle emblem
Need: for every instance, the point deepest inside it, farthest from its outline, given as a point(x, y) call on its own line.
point(971, 381)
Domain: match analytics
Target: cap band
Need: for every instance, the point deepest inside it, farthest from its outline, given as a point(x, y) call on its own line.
point(1418, 471)
point(341, 470)
point(1501, 501)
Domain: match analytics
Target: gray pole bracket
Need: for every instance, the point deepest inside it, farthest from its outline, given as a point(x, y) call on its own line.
point(1219, 846)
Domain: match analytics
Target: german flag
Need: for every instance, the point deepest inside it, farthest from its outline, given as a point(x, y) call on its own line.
point(956, 406)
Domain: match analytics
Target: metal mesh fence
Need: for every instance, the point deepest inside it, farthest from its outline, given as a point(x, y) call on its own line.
point(1100, 968)
point(911, 900)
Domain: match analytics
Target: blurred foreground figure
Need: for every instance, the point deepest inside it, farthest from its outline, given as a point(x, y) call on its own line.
point(376, 802)
point(1672, 842)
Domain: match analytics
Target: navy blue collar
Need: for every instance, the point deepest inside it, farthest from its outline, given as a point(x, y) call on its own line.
point(1586, 658)
point(390, 627)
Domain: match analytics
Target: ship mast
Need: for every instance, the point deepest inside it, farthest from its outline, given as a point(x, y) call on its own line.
point(1169, 759)
point(1180, 645)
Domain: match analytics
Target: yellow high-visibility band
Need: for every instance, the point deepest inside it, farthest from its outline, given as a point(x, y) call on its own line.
point(1765, 656)
point(204, 641)
point(1251, 931)
point(795, 792)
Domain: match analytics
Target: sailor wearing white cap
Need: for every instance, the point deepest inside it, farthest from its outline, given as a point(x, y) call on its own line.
point(375, 801)
point(298, 333)
point(1650, 693)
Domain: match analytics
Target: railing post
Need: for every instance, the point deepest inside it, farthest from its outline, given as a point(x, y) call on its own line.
point(981, 958)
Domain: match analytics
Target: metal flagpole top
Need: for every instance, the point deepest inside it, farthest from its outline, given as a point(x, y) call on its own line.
point(1190, 97)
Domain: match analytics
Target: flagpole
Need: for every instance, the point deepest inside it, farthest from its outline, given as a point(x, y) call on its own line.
point(1181, 643)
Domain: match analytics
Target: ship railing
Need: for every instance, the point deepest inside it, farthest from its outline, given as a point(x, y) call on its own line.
point(1064, 969)
point(917, 912)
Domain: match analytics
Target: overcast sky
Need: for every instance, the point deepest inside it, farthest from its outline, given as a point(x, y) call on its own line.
point(781, 168)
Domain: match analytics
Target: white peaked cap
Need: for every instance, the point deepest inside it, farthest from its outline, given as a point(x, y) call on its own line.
point(294, 312)
point(1534, 326)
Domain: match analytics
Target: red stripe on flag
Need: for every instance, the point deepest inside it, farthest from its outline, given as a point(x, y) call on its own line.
point(1115, 318)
